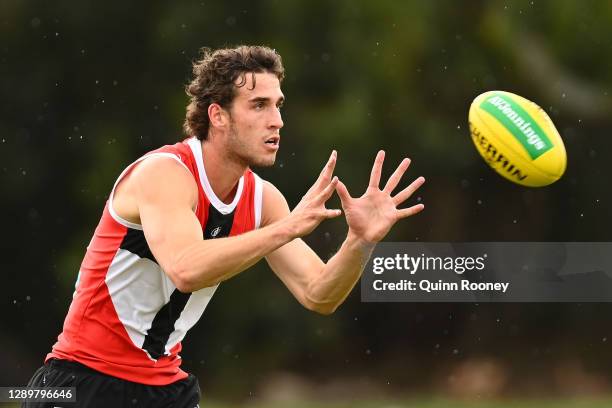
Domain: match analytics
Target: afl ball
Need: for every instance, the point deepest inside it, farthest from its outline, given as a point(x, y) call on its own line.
point(517, 139)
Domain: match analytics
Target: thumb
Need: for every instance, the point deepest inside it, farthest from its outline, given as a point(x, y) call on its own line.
point(343, 193)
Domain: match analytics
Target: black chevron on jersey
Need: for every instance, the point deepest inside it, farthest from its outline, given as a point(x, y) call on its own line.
point(135, 242)
point(218, 225)
point(163, 324)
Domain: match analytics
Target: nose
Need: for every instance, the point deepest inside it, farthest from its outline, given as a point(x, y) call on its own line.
point(276, 120)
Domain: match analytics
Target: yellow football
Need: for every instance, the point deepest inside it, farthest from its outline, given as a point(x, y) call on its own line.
point(517, 139)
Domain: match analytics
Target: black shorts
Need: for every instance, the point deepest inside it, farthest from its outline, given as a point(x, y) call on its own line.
point(94, 389)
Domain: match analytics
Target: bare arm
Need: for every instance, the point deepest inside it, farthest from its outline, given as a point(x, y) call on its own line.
point(318, 286)
point(322, 287)
point(165, 194)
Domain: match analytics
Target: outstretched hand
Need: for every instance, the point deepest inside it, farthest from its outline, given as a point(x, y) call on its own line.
point(311, 210)
point(371, 216)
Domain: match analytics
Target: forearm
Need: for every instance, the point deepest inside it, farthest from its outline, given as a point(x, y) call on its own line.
point(208, 262)
point(331, 286)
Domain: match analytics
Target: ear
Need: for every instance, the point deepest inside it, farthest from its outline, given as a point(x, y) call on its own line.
point(217, 115)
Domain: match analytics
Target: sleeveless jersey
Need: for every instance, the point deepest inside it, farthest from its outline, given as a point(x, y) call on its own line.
point(127, 319)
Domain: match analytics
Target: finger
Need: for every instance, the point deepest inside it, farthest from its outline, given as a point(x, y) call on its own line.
point(407, 212)
point(327, 191)
point(408, 191)
point(377, 169)
point(396, 176)
point(343, 193)
point(332, 213)
point(327, 171)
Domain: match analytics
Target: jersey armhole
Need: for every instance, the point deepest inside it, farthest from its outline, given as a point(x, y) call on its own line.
point(124, 173)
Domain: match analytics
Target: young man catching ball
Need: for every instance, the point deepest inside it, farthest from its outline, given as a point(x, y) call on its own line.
point(184, 218)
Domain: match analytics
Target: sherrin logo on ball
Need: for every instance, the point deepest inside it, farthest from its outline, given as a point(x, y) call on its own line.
point(517, 139)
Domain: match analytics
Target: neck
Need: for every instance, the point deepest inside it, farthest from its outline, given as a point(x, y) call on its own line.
point(223, 173)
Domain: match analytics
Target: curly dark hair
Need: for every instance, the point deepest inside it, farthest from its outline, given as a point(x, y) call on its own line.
point(215, 80)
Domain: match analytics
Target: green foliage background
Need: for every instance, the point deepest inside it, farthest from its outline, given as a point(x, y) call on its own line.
point(87, 87)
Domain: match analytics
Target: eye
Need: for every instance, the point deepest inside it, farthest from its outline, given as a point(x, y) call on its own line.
point(259, 105)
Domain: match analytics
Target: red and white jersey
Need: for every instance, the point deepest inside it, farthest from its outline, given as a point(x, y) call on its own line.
point(127, 319)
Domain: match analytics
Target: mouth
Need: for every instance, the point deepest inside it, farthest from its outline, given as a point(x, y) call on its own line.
point(273, 142)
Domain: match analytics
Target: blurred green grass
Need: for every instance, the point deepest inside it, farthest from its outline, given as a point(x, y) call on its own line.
point(427, 403)
point(415, 403)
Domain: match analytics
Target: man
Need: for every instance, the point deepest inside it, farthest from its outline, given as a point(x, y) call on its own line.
point(186, 217)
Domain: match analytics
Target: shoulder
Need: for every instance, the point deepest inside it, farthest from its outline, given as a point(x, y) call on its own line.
point(163, 176)
point(274, 204)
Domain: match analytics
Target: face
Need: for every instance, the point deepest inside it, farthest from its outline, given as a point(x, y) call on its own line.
point(255, 121)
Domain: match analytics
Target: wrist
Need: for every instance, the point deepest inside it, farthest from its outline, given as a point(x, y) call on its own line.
point(356, 241)
point(287, 229)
